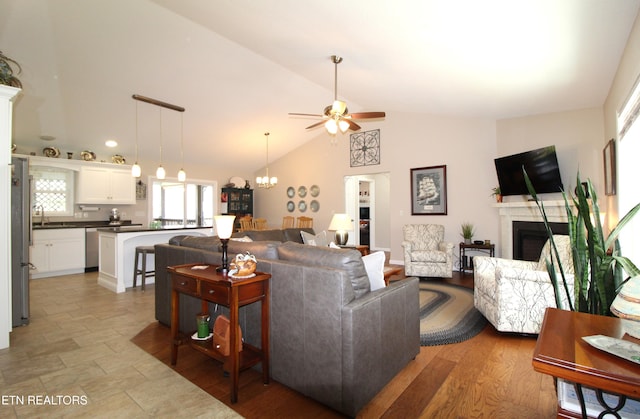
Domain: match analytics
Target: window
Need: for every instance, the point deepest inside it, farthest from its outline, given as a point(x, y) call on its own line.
point(189, 204)
point(629, 194)
point(52, 190)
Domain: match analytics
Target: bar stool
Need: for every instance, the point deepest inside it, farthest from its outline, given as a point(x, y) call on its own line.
point(144, 251)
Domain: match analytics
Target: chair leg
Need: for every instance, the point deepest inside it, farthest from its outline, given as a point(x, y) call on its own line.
point(144, 269)
point(135, 269)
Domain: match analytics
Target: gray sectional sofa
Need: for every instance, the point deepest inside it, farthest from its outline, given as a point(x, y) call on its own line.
point(331, 338)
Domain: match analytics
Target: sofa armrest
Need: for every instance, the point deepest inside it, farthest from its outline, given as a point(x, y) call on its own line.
point(381, 334)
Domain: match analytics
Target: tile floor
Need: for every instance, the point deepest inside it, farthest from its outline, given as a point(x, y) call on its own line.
point(75, 359)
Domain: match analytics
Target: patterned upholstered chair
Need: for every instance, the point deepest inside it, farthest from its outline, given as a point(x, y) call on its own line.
point(513, 294)
point(425, 251)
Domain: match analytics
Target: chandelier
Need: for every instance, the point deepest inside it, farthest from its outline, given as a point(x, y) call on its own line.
point(266, 181)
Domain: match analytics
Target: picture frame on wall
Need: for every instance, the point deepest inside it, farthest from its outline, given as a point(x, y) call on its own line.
point(609, 157)
point(429, 190)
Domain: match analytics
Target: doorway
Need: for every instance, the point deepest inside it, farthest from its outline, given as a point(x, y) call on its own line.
point(367, 202)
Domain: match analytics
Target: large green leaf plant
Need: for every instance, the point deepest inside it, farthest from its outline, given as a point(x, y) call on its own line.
point(597, 261)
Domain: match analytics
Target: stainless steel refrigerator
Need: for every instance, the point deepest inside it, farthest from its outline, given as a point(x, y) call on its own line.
point(20, 240)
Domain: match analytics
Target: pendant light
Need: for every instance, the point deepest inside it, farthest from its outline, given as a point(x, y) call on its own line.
point(160, 172)
point(136, 170)
point(265, 181)
point(182, 176)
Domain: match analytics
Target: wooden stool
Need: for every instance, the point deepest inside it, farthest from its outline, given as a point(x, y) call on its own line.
point(144, 251)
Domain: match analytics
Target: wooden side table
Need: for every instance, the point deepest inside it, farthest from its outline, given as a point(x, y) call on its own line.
point(561, 352)
point(215, 287)
point(362, 248)
point(465, 267)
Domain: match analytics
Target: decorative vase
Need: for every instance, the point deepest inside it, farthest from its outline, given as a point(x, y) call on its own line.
point(467, 241)
point(498, 198)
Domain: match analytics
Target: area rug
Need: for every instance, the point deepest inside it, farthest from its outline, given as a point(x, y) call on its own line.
point(447, 314)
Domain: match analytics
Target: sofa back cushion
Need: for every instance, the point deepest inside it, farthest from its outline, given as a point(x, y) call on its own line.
point(262, 235)
point(293, 234)
point(211, 243)
point(260, 249)
point(348, 260)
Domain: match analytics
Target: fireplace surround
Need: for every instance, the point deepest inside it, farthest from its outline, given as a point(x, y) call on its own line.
point(527, 212)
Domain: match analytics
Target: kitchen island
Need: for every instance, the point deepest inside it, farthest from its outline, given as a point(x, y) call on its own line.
point(117, 251)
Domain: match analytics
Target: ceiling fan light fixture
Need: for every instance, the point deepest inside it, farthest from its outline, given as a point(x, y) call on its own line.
point(331, 126)
point(343, 125)
point(339, 107)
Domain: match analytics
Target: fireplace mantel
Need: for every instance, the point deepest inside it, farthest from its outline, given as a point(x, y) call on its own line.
point(525, 211)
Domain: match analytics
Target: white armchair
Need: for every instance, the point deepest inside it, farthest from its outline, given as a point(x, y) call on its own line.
point(513, 294)
point(425, 251)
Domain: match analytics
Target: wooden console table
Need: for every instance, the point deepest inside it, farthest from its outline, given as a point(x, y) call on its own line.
point(211, 286)
point(561, 352)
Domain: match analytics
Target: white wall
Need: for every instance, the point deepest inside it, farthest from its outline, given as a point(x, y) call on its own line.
point(465, 145)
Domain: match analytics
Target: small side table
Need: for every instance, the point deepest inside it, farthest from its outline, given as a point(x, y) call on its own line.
point(211, 286)
point(485, 248)
point(362, 248)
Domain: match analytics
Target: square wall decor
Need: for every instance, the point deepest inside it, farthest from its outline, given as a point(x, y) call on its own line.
point(365, 148)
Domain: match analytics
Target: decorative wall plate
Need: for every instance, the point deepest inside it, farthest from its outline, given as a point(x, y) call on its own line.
point(314, 205)
point(237, 181)
point(291, 192)
point(302, 191)
point(291, 206)
point(88, 155)
point(315, 190)
point(118, 159)
point(51, 152)
point(302, 206)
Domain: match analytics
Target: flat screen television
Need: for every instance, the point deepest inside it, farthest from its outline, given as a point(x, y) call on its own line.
point(541, 166)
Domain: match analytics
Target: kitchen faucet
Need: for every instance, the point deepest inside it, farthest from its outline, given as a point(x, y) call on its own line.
point(41, 213)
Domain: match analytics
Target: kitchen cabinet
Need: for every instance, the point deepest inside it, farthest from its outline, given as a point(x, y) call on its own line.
point(101, 185)
point(57, 252)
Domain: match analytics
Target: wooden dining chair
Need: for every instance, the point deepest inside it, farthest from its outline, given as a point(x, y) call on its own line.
point(259, 223)
point(288, 221)
point(305, 222)
point(246, 223)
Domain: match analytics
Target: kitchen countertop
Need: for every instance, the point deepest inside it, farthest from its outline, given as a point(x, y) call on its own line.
point(78, 224)
point(140, 228)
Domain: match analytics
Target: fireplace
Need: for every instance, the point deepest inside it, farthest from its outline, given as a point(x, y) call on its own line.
point(528, 213)
point(530, 236)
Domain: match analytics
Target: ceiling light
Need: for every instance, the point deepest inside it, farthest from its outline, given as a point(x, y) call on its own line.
point(160, 173)
point(265, 181)
point(343, 125)
point(331, 126)
point(182, 175)
point(111, 143)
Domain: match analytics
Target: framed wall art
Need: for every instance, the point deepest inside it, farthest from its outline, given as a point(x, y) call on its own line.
point(365, 148)
point(609, 156)
point(429, 190)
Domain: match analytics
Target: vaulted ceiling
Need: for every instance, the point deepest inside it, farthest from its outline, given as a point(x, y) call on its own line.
point(239, 67)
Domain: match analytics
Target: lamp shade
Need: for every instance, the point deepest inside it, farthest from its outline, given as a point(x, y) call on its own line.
point(627, 302)
point(224, 225)
point(341, 222)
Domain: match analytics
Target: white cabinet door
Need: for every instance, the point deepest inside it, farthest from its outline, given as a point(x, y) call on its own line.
point(98, 185)
point(123, 187)
point(57, 252)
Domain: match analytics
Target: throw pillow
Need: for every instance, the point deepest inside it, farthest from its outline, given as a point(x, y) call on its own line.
point(245, 239)
point(319, 239)
point(374, 264)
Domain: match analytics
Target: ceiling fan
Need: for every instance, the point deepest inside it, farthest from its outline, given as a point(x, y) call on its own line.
point(336, 116)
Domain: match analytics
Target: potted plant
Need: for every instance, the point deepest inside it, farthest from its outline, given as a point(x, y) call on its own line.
point(497, 193)
point(6, 72)
point(467, 232)
point(598, 262)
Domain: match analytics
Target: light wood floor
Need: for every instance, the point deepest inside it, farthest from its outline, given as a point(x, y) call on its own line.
point(80, 343)
point(488, 376)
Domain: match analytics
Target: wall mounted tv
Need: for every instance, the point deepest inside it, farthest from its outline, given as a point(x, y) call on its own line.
point(541, 166)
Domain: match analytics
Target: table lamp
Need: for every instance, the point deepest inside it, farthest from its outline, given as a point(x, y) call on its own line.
point(341, 224)
point(627, 303)
point(224, 228)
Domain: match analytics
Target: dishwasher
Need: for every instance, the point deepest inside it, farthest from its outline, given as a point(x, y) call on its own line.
point(91, 249)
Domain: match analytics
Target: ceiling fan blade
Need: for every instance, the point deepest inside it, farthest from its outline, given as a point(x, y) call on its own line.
point(352, 125)
point(316, 124)
point(366, 115)
point(305, 114)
